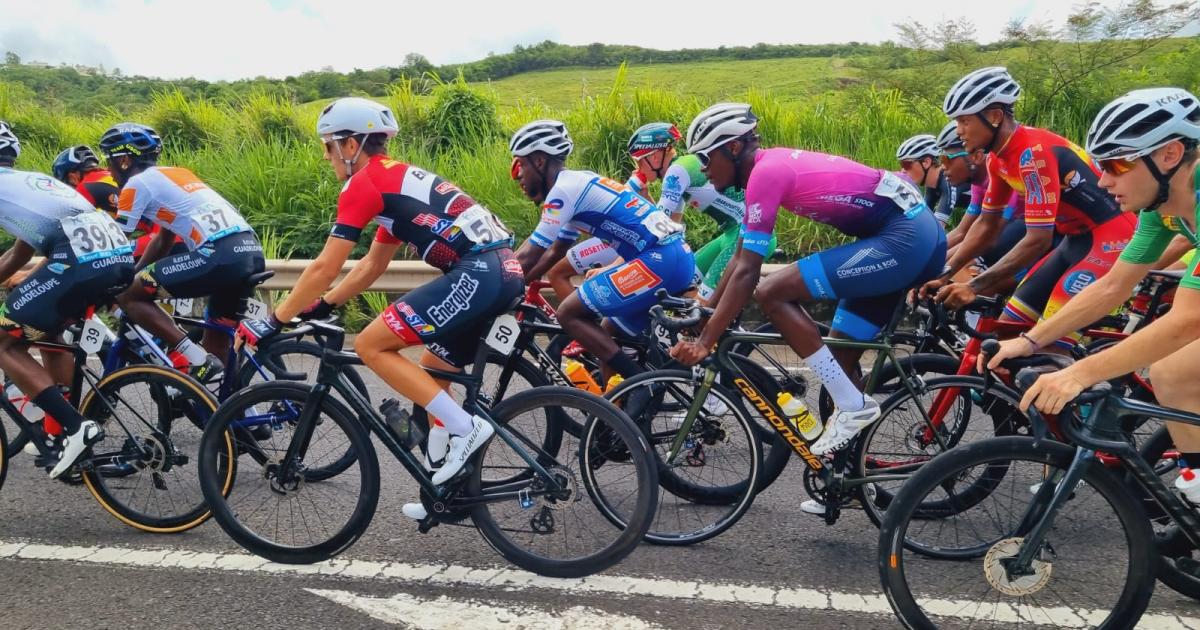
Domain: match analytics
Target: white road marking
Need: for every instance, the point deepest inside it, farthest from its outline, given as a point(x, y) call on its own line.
point(515, 580)
point(445, 613)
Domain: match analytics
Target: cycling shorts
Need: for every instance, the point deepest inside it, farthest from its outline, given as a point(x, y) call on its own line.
point(590, 254)
point(625, 293)
point(218, 270)
point(1079, 260)
point(870, 276)
point(1012, 234)
point(57, 294)
point(449, 315)
point(714, 257)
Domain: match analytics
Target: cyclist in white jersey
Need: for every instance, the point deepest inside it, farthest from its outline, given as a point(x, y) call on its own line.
point(223, 251)
point(86, 259)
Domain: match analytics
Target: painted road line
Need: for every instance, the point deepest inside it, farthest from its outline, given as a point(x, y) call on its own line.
point(513, 579)
point(446, 613)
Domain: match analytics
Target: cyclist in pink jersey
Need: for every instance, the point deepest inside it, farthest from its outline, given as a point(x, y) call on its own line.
point(899, 244)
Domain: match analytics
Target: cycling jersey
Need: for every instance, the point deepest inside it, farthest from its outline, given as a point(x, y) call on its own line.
point(100, 189)
point(582, 201)
point(1014, 210)
point(175, 199)
point(852, 198)
point(1155, 231)
point(686, 183)
point(88, 255)
point(55, 220)
point(1059, 182)
point(416, 207)
point(950, 198)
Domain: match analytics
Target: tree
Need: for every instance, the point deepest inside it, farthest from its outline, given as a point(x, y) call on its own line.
point(12, 59)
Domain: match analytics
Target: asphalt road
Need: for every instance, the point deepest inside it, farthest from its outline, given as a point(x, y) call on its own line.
point(66, 563)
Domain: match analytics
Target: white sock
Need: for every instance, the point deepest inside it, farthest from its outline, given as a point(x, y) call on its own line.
point(194, 354)
point(443, 407)
point(845, 395)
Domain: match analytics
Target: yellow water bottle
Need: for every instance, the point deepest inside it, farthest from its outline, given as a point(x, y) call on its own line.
point(581, 378)
point(613, 382)
point(798, 414)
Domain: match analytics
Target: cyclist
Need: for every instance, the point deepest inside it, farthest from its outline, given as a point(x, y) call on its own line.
point(1059, 183)
point(461, 238)
point(222, 250)
point(79, 168)
point(86, 258)
point(650, 244)
point(899, 244)
point(652, 147)
point(919, 162)
point(1146, 142)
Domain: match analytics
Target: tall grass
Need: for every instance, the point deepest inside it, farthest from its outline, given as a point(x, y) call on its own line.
point(261, 152)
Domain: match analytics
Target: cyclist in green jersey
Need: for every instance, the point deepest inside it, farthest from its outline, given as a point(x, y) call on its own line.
point(1146, 143)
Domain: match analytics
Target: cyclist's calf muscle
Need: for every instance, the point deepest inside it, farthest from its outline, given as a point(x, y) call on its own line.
point(778, 295)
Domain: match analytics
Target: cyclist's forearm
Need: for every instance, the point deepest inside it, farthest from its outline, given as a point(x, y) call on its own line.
point(14, 259)
point(1027, 251)
point(977, 240)
point(1162, 338)
point(364, 274)
point(957, 235)
point(738, 284)
point(157, 249)
point(316, 278)
point(547, 260)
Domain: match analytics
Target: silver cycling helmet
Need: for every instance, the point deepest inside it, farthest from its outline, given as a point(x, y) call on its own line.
point(918, 147)
point(979, 90)
point(548, 136)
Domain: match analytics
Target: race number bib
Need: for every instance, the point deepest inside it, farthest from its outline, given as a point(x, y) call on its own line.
point(182, 306)
point(660, 225)
point(503, 336)
point(94, 333)
point(904, 194)
point(256, 309)
point(93, 235)
point(480, 226)
point(215, 222)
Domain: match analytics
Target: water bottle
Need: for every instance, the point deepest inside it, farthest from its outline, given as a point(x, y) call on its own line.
point(798, 414)
point(1188, 484)
point(581, 378)
point(400, 421)
point(616, 379)
point(32, 412)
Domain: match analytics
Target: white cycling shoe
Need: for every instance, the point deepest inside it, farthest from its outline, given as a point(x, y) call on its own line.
point(75, 444)
point(437, 445)
point(844, 426)
point(462, 447)
point(415, 511)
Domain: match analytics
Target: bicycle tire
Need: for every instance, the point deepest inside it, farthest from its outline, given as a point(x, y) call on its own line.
point(705, 500)
point(547, 437)
point(1139, 583)
point(599, 412)
point(152, 451)
point(3, 456)
point(334, 414)
point(1171, 544)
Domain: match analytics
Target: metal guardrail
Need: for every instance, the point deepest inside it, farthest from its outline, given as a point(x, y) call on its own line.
point(401, 275)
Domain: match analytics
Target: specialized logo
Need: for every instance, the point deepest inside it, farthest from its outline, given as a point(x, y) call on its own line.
point(634, 278)
point(782, 427)
point(458, 301)
point(868, 260)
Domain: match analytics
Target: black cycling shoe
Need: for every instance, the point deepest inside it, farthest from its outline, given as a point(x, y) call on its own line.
point(208, 372)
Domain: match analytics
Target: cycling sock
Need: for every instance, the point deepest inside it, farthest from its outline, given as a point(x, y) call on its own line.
point(456, 419)
point(53, 404)
point(623, 365)
point(194, 354)
point(1191, 460)
point(845, 395)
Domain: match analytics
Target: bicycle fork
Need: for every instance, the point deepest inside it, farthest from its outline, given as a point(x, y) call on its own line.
point(1038, 521)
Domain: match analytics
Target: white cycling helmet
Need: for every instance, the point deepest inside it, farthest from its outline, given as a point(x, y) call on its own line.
point(948, 138)
point(548, 136)
point(353, 115)
point(918, 147)
point(719, 124)
point(979, 90)
point(8, 141)
point(1141, 121)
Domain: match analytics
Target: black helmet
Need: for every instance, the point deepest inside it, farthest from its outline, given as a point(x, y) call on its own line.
point(72, 159)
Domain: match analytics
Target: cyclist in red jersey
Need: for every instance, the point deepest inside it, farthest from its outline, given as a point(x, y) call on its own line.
point(1060, 185)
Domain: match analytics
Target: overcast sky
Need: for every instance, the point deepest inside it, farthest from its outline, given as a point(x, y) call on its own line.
point(229, 39)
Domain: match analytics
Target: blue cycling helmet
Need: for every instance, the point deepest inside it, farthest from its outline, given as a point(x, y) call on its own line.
point(72, 159)
point(130, 139)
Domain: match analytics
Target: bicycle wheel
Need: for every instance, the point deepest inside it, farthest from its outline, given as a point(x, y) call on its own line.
point(540, 433)
point(3, 456)
point(1179, 568)
point(901, 441)
point(1096, 567)
point(282, 517)
point(144, 470)
point(565, 534)
point(712, 481)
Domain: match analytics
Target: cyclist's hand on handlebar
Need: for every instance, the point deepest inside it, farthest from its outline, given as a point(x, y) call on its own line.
point(956, 295)
point(1052, 391)
point(1009, 349)
point(255, 331)
point(930, 289)
point(319, 309)
point(689, 352)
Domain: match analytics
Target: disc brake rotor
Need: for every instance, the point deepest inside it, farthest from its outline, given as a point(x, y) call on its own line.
point(1017, 586)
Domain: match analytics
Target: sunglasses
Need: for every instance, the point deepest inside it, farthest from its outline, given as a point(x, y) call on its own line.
point(906, 164)
point(946, 157)
point(1118, 166)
